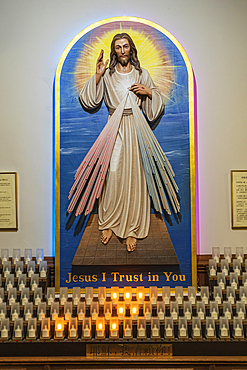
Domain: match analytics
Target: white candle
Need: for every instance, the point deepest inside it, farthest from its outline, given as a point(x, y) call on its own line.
point(141, 331)
point(80, 315)
point(21, 286)
point(148, 315)
point(182, 331)
point(41, 315)
point(154, 300)
point(94, 315)
point(174, 314)
point(167, 300)
point(228, 314)
point(2, 315)
point(30, 272)
point(6, 272)
point(231, 298)
point(107, 315)
point(50, 300)
point(18, 332)
point(241, 313)
point(37, 300)
point(127, 331)
point(11, 300)
point(18, 272)
point(73, 332)
point(223, 331)
point(234, 284)
point(238, 331)
point(192, 299)
point(179, 299)
point(214, 314)
point(67, 315)
point(28, 315)
point(196, 331)
point(14, 315)
point(201, 314)
point(34, 286)
point(43, 273)
point(161, 315)
point(4, 332)
point(24, 300)
point(75, 300)
point(155, 331)
point(9, 286)
point(101, 300)
point(45, 332)
point(210, 331)
point(187, 314)
point(63, 300)
point(168, 331)
point(86, 333)
point(31, 332)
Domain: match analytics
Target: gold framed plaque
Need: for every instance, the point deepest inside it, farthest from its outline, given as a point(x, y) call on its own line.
point(8, 201)
point(239, 199)
point(128, 350)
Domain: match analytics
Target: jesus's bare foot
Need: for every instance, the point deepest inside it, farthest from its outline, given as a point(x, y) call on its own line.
point(131, 243)
point(106, 236)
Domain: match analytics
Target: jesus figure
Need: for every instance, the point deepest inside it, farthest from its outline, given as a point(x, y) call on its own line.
point(138, 169)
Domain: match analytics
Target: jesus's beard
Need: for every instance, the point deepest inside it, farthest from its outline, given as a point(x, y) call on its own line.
point(124, 61)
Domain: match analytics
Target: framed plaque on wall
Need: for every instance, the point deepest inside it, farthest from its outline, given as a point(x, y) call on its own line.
point(239, 199)
point(8, 201)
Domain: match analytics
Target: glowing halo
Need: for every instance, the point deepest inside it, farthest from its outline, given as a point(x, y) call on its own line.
point(151, 56)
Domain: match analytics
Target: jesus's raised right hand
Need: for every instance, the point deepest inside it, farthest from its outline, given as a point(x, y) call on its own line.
point(100, 66)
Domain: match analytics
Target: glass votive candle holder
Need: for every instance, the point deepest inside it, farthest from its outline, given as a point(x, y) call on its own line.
point(100, 328)
point(59, 328)
point(121, 310)
point(114, 295)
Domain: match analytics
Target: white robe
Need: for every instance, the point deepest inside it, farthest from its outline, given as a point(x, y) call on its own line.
point(124, 205)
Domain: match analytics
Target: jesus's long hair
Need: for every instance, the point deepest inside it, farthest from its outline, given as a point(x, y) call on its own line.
point(133, 53)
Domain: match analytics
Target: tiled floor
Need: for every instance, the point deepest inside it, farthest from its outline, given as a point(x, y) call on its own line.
point(156, 249)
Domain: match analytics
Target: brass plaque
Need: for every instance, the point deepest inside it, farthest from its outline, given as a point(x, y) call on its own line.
point(128, 350)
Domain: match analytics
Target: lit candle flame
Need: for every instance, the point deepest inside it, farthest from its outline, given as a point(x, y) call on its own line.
point(114, 326)
point(121, 310)
point(114, 295)
point(127, 295)
point(140, 295)
point(59, 326)
point(134, 310)
point(100, 326)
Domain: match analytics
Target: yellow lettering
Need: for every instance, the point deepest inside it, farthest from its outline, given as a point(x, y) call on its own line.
point(66, 281)
point(135, 277)
point(114, 275)
point(140, 276)
point(104, 274)
point(182, 278)
point(75, 278)
point(167, 276)
point(128, 278)
point(87, 278)
point(175, 277)
point(149, 277)
point(81, 278)
point(121, 277)
point(155, 277)
point(94, 278)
